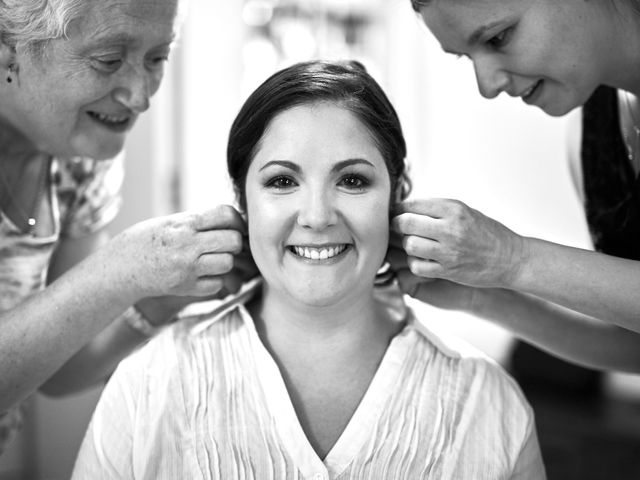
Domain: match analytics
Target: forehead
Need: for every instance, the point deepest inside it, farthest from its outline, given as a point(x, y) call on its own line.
point(127, 19)
point(449, 19)
point(326, 128)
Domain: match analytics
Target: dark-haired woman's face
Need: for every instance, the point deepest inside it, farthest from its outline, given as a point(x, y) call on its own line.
point(317, 206)
point(550, 53)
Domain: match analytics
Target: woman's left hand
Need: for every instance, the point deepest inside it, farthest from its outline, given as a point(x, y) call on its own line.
point(447, 239)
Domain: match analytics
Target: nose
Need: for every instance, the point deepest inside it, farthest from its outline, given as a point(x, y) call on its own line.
point(136, 89)
point(491, 77)
point(317, 210)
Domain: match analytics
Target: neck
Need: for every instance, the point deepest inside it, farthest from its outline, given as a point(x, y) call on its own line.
point(296, 331)
point(15, 148)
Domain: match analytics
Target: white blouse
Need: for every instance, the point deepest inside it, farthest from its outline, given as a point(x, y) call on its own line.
point(205, 400)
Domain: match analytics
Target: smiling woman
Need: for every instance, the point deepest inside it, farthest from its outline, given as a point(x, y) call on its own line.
point(310, 372)
point(558, 56)
point(76, 76)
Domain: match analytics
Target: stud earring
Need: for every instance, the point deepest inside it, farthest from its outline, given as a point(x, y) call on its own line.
point(9, 73)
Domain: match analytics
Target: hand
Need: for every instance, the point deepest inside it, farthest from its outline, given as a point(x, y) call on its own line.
point(182, 254)
point(447, 239)
point(439, 293)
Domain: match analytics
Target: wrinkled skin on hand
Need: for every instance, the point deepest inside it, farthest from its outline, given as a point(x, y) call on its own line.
point(448, 240)
point(185, 254)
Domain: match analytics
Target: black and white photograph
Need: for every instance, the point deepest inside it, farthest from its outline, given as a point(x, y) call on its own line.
point(319, 239)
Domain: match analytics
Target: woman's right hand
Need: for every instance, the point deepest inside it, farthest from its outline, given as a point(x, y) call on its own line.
point(433, 291)
point(181, 254)
point(449, 240)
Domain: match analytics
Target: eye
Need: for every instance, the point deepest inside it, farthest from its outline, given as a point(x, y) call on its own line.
point(107, 64)
point(281, 182)
point(354, 182)
point(158, 60)
point(501, 39)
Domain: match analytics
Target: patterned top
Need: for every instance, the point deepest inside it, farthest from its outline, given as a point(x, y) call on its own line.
point(205, 399)
point(84, 196)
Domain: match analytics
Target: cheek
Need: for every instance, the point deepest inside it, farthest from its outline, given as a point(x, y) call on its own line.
point(266, 220)
point(155, 81)
point(371, 221)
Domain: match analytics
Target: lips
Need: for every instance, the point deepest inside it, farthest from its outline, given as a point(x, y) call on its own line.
point(529, 95)
point(324, 252)
point(113, 122)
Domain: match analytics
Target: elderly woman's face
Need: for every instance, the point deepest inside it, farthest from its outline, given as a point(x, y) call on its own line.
point(85, 92)
point(317, 206)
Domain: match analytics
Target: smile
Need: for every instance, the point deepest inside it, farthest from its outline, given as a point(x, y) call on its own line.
point(115, 122)
point(318, 253)
point(528, 95)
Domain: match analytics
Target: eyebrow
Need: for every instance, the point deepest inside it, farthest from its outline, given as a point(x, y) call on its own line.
point(281, 163)
point(336, 168)
point(351, 161)
point(121, 38)
point(480, 31)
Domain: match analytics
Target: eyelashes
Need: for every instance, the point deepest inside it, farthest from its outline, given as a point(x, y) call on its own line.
point(349, 181)
point(501, 39)
point(281, 182)
point(354, 181)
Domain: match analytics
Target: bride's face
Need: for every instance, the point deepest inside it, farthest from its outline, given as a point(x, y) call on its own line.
point(318, 194)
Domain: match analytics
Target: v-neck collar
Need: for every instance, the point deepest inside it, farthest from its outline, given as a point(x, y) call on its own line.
point(360, 427)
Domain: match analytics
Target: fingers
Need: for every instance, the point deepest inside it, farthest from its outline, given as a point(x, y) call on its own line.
point(420, 247)
point(424, 268)
point(213, 264)
point(206, 286)
point(432, 207)
point(416, 224)
point(220, 217)
point(219, 241)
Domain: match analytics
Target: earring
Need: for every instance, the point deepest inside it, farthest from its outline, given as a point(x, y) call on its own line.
point(9, 73)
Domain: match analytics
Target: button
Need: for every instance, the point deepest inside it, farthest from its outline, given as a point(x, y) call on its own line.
point(318, 476)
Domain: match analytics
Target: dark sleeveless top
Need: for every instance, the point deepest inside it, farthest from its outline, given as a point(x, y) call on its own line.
point(612, 191)
point(612, 206)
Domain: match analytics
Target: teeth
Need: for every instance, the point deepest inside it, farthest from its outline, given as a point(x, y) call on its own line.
point(318, 253)
point(528, 92)
point(109, 118)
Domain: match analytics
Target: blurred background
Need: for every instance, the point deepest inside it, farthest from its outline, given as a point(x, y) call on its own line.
point(501, 157)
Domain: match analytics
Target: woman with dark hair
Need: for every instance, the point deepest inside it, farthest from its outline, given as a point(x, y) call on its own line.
point(307, 374)
point(581, 305)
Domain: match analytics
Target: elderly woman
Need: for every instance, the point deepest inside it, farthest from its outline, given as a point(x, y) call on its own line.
point(75, 76)
point(306, 374)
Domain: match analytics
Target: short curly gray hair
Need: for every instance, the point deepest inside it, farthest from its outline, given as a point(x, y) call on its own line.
point(31, 23)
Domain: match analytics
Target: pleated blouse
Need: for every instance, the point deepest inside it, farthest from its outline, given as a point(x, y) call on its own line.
point(205, 400)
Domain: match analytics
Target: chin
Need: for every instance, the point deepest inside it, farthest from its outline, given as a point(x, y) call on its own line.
point(558, 110)
point(569, 102)
point(99, 151)
point(315, 295)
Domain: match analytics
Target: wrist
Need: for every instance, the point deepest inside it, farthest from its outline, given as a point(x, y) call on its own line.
point(136, 321)
point(116, 274)
point(518, 263)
